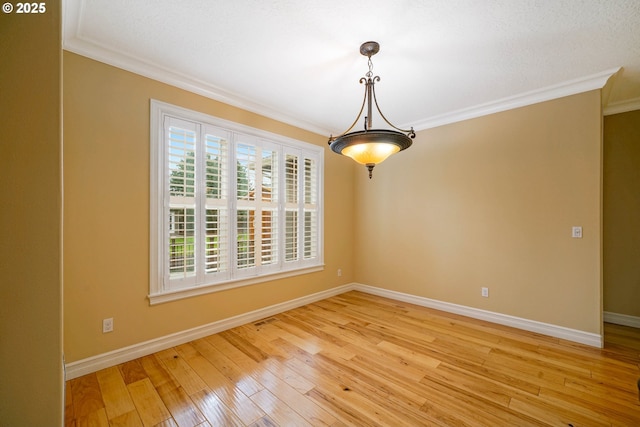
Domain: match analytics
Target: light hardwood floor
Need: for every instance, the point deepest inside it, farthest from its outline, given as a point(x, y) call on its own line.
point(362, 360)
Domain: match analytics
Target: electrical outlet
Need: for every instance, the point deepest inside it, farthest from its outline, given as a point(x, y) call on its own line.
point(485, 292)
point(107, 325)
point(339, 272)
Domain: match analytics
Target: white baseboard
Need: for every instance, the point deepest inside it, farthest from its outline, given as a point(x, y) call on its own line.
point(112, 358)
point(621, 319)
point(582, 337)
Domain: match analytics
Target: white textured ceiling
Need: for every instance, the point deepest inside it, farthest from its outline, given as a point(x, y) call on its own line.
point(298, 60)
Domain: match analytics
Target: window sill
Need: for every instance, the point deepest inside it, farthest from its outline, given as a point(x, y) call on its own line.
point(178, 294)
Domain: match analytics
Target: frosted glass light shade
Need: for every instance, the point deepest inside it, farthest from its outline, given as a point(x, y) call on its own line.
point(370, 153)
point(370, 147)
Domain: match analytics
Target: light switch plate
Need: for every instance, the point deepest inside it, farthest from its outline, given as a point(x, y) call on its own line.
point(576, 232)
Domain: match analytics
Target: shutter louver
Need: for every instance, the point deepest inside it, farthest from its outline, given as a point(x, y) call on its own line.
point(246, 173)
point(246, 247)
point(269, 211)
point(310, 243)
point(216, 254)
point(291, 208)
point(182, 243)
point(291, 235)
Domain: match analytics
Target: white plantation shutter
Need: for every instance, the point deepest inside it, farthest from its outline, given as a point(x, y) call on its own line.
point(229, 204)
point(215, 203)
point(291, 207)
point(217, 243)
point(269, 198)
point(246, 163)
point(180, 240)
point(196, 237)
point(257, 203)
point(310, 208)
point(246, 243)
point(302, 217)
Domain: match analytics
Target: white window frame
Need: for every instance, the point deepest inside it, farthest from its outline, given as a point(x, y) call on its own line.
point(161, 289)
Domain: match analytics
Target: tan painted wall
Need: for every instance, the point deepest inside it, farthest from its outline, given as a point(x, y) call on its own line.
point(491, 202)
point(485, 202)
point(106, 238)
point(622, 213)
point(31, 374)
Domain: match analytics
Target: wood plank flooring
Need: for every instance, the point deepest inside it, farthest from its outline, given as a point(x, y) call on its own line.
point(362, 360)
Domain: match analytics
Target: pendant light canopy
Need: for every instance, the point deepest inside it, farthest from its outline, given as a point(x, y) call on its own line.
point(371, 146)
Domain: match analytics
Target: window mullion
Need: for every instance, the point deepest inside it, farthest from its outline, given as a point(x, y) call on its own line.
point(164, 233)
point(300, 242)
point(200, 204)
point(282, 200)
point(233, 206)
point(257, 213)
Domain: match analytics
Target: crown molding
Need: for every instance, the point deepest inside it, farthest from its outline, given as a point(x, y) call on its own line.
point(622, 107)
point(570, 87)
point(155, 72)
point(74, 41)
point(95, 51)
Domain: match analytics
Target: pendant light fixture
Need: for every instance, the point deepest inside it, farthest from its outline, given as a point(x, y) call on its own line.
point(371, 146)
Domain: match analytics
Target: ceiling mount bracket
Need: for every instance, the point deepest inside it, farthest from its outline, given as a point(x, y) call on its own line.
point(369, 49)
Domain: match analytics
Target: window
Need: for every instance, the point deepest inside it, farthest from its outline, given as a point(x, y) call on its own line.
point(230, 205)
